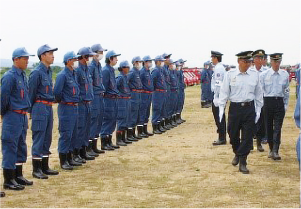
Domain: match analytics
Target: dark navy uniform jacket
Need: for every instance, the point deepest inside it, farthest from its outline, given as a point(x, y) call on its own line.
point(173, 80)
point(66, 88)
point(122, 85)
point(84, 80)
point(14, 91)
point(180, 74)
point(166, 73)
point(134, 79)
point(97, 77)
point(109, 81)
point(146, 80)
point(40, 84)
point(158, 79)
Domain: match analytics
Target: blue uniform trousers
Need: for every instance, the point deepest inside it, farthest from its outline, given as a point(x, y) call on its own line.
point(13, 137)
point(144, 113)
point(298, 149)
point(207, 94)
point(84, 121)
point(158, 103)
point(96, 116)
point(68, 125)
point(123, 115)
point(135, 107)
point(42, 124)
point(109, 116)
point(173, 102)
point(181, 98)
point(165, 105)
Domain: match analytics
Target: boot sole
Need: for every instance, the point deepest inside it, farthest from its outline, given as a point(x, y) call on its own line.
point(16, 189)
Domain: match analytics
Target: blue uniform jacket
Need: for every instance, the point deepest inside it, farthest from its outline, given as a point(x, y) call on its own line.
point(181, 79)
point(84, 80)
point(14, 91)
point(146, 80)
point(109, 81)
point(96, 73)
point(173, 80)
point(134, 79)
point(158, 79)
point(166, 73)
point(40, 84)
point(66, 88)
point(122, 85)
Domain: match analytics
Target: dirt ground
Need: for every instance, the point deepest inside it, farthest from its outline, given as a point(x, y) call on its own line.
point(179, 168)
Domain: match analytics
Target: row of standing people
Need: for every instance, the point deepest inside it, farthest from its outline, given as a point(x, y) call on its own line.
point(92, 102)
point(258, 98)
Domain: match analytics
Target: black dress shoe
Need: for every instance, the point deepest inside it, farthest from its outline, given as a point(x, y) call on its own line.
point(219, 142)
point(235, 160)
point(2, 194)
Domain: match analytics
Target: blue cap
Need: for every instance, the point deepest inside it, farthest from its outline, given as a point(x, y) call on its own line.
point(171, 61)
point(136, 59)
point(181, 60)
point(70, 55)
point(124, 63)
point(159, 58)
point(21, 52)
point(85, 51)
point(207, 63)
point(147, 58)
point(178, 63)
point(166, 55)
point(97, 47)
point(112, 53)
point(45, 48)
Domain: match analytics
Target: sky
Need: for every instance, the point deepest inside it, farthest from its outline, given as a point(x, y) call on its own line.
point(187, 29)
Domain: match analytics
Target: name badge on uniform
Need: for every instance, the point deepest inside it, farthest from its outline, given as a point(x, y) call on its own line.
point(233, 81)
point(218, 83)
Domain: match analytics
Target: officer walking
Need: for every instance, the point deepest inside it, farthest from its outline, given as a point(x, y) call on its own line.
point(97, 103)
point(136, 89)
point(110, 102)
point(207, 94)
point(66, 92)
point(14, 106)
point(242, 87)
point(158, 95)
point(124, 105)
point(146, 95)
point(181, 94)
point(86, 95)
point(258, 56)
point(275, 85)
point(216, 82)
point(41, 98)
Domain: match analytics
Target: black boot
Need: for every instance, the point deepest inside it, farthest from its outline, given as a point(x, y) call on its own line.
point(166, 124)
point(64, 162)
point(2, 194)
point(124, 139)
point(105, 144)
point(178, 120)
point(130, 136)
point(94, 147)
point(160, 127)
point(243, 164)
point(271, 149)
point(145, 130)
point(173, 121)
point(71, 161)
point(20, 178)
point(182, 120)
point(111, 143)
point(45, 167)
point(259, 146)
point(140, 132)
point(219, 142)
point(89, 149)
point(235, 160)
point(156, 129)
point(9, 180)
point(275, 155)
point(119, 140)
point(37, 169)
point(83, 154)
point(77, 158)
point(134, 134)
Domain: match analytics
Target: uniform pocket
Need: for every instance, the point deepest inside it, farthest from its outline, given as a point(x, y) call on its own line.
point(39, 123)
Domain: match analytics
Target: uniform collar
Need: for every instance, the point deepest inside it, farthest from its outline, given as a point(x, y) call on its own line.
point(44, 68)
point(85, 67)
point(17, 70)
point(94, 62)
point(71, 72)
point(110, 67)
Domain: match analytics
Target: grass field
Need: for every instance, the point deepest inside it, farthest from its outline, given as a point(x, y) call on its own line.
point(179, 168)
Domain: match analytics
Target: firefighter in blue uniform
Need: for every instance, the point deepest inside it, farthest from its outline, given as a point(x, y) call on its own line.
point(207, 94)
point(166, 121)
point(297, 121)
point(173, 92)
point(86, 95)
point(110, 102)
point(14, 106)
point(158, 95)
point(97, 103)
point(146, 95)
point(66, 93)
point(123, 103)
point(181, 94)
point(41, 98)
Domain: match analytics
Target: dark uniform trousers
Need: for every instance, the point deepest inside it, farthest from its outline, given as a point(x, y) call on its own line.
point(274, 114)
point(260, 126)
point(241, 120)
point(221, 126)
point(123, 116)
point(84, 121)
